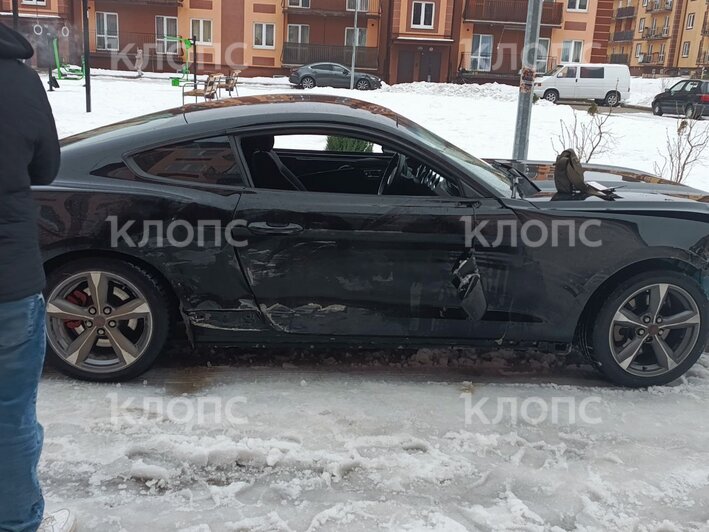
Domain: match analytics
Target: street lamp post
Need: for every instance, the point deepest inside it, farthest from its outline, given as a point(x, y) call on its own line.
point(87, 53)
point(355, 37)
point(15, 14)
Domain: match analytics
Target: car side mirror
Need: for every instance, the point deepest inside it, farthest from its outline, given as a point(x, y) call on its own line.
point(667, 91)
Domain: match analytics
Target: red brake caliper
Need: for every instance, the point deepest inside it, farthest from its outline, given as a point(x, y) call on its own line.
point(77, 297)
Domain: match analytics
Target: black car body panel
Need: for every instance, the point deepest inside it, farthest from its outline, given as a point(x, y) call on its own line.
point(360, 269)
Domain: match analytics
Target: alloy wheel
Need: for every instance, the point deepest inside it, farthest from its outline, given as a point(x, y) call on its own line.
point(612, 100)
point(655, 330)
point(98, 321)
point(362, 85)
point(307, 82)
point(550, 97)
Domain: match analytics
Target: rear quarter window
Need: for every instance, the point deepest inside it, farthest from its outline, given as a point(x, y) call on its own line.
point(207, 161)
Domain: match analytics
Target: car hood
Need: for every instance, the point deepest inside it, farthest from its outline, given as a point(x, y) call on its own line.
point(635, 190)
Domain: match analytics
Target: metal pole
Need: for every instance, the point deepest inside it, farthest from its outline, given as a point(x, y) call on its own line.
point(526, 93)
point(354, 45)
point(87, 53)
point(15, 14)
point(194, 60)
point(51, 58)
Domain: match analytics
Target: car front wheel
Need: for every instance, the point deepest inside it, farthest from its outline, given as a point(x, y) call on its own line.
point(651, 329)
point(307, 82)
point(106, 319)
point(656, 109)
point(363, 85)
point(551, 96)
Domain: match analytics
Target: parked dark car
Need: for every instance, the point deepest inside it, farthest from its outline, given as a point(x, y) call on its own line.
point(332, 75)
point(228, 220)
point(688, 98)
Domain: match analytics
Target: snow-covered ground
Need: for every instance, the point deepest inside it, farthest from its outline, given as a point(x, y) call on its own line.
point(480, 119)
point(365, 442)
point(427, 441)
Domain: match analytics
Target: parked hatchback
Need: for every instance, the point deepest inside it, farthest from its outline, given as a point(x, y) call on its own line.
point(332, 75)
point(689, 98)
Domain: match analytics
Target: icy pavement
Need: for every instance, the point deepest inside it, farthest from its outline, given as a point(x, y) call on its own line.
point(436, 440)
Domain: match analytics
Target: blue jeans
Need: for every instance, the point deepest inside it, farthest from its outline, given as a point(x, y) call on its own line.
point(22, 346)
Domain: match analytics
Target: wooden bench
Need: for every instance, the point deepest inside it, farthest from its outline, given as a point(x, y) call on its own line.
point(209, 88)
point(229, 82)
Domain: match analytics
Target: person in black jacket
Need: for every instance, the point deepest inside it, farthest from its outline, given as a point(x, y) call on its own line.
point(29, 155)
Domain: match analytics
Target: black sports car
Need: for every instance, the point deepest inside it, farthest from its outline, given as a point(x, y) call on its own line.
point(304, 219)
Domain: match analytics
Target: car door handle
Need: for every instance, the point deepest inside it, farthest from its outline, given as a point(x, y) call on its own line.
point(271, 228)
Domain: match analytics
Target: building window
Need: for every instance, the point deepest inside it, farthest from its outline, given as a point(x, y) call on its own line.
point(481, 57)
point(422, 15)
point(362, 5)
point(571, 51)
point(361, 36)
point(264, 35)
point(685, 48)
point(577, 5)
point(661, 57)
point(166, 35)
point(641, 26)
point(638, 50)
point(299, 33)
point(542, 55)
point(106, 31)
point(305, 4)
point(690, 21)
point(202, 30)
point(34, 2)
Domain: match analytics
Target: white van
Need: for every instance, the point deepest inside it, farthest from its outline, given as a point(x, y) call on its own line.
point(609, 84)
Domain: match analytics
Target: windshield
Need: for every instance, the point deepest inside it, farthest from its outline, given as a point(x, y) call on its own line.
point(479, 170)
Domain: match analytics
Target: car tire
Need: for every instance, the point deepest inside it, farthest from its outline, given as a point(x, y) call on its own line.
point(121, 349)
point(631, 352)
point(612, 99)
point(552, 96)
point(363, 85)
point(690, 112)
point(656, 109)
point(308, 82)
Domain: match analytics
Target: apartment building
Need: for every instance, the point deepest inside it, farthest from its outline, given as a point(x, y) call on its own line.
point(39, 21)
point(492, 38)
point(656, 37)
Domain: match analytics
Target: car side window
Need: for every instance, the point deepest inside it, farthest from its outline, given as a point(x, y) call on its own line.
point(323, 67)
point(592, 72)
point(318, 162)
point(692, 86)
point(567, 72)
point(678, 87)
point(207, 161)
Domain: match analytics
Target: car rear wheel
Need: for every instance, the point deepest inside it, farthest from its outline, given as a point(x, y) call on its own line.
point(690, 112)
point(651, 329)
point(551, 96)
point(363, 85)
point(307, 82)
point(657, 110)
point(106, 319)
point(612, 99)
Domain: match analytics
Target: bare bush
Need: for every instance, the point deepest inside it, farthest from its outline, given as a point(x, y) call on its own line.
point(587, 138)
point(682, 150)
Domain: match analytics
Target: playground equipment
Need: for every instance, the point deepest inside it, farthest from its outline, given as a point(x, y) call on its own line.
point(65, 71)
point(189, 44)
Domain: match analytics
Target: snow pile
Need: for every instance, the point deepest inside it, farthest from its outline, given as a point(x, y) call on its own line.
point(495, 91)
point(644, 90)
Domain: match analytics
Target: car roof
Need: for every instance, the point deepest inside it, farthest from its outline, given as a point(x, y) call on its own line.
point(230, 114)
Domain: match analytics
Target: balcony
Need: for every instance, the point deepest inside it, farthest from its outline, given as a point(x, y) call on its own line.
point(652, 59)
point(659, 6)
point(653, 34)
point(336, 8)
point(297, 54)
point(620, 59)
point(623, 36)
point(625, 12)
point(510, 12)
